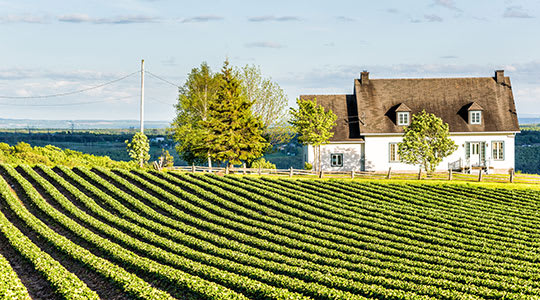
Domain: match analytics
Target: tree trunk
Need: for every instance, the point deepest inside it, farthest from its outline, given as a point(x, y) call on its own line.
point(320, 168)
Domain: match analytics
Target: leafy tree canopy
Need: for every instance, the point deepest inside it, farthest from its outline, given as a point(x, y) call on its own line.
point(269, 103)
point(426, 142)
point(313, 124)
point(138, 148)
point(194, 100)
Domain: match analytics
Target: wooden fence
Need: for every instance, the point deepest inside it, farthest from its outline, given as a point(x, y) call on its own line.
point(449, 175)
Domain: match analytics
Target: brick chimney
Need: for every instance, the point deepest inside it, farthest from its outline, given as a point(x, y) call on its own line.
point(499, 76)
point(364, 77)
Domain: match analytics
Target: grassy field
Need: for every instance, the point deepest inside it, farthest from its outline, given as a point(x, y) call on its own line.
point(80, 233)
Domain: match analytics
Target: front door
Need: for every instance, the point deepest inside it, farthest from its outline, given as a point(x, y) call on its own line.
point(475, 154)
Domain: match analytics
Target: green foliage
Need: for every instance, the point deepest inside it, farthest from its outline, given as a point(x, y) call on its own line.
point(232, 133)
point(267, 238)
point(168, 159)
point(426, 142)
point(270, 103)
point(313, 124)
point(138, 148)
point(23, 153)
point(194, 100)
point(263, 164)
point(308, 166)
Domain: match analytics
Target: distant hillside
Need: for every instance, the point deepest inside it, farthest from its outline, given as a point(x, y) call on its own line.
point(79, 124)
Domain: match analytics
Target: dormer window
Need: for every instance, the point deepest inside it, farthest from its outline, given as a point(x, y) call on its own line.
point(403, 115)
point(475, 117)
point(403, 118)
point(475, 113)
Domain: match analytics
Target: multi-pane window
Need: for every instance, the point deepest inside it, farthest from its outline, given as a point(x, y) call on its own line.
point(476, 117)
point(394, 155)
point(336, 159)
point(403, 118)
point(498, 150)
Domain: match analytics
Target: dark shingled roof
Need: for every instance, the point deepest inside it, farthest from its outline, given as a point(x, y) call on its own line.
point(372, 107)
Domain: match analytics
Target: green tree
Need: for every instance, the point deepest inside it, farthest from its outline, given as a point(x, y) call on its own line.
point(194, 100)
point(269, 103)
point(232, 133)
point(313, 124)
point(138, 148)
point(426, 142)
point(168, 159)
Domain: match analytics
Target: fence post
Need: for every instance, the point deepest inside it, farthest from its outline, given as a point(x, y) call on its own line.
point(193, 168)
point(512, 175)
point(260, 170)
point(352, 174)
point(290, 171)
point(389, 175)
point(450, 174)
point(480, 175)
point(321, 174)
point(244, 168)
point(420, 173)
point(227, 169)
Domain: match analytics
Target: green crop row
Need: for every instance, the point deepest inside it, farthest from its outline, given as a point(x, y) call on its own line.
point(11, 286)
point(131, 283)
point(65, 283)
point(314, 236)
point(261, 273)
point(496, 284)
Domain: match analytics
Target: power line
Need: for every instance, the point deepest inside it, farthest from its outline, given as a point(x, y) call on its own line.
point(65, 104)
point(72, 92)
point(164, 80)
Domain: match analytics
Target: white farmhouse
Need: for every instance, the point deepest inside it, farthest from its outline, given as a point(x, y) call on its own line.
point(480, 112)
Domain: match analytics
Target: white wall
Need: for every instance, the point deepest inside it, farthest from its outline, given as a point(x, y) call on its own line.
point(377, 153)
point(352, 155)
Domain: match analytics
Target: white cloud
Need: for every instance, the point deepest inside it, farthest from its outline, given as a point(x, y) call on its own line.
point(264, 45)
point(450, 4)
point(83, 18)
point(23, 19)
point(433, 18)
point(202, 19)
point(516, 12)
point(273, 18)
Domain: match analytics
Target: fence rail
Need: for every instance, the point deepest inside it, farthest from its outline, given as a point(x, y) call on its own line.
point(449, 175)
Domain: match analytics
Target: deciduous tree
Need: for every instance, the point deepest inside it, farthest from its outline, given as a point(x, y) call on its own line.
point(313, 124)
point(194, 100)
point(269, 103)
point(138, 148)
point(426, 142)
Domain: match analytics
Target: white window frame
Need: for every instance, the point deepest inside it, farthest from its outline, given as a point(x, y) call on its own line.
point(393, 154)
point(497, 150)
point(338, 161)
point(475, 117)
point(403, 118)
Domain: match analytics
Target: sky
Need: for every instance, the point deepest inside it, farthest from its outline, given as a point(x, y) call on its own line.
point(307, 47)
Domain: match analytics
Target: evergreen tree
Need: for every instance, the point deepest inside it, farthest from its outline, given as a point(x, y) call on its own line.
point(232, 133)
point(426, 142)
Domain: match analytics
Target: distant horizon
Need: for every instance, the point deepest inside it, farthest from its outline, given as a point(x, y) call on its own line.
point(81, 59)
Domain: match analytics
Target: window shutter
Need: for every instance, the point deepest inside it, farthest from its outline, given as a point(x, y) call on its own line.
point(483, 152)
point(503, 150)
point(467, 150)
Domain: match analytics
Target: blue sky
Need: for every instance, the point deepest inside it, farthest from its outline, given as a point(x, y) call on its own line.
point(308, 47)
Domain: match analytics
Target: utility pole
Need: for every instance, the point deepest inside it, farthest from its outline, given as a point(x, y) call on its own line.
point(142, 96)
